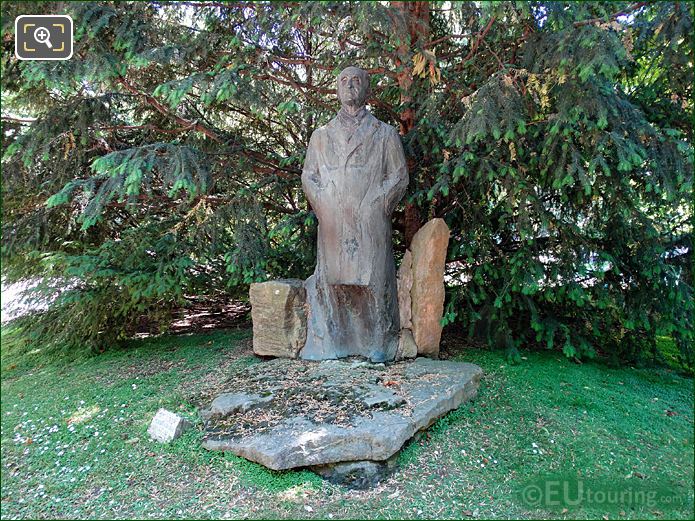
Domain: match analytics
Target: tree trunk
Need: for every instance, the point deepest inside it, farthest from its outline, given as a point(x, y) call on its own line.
point(412, 23)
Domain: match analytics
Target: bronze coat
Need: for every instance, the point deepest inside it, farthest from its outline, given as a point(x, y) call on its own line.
point(353, 183)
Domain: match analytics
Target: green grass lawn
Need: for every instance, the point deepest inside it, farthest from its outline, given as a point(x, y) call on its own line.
point(74, 442)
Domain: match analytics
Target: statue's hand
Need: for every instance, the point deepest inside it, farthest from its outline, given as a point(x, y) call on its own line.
point(315, 179)
point(393, 189)
point(311, 178)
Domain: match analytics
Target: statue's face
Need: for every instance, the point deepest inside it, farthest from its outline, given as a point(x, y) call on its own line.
point(353, 87)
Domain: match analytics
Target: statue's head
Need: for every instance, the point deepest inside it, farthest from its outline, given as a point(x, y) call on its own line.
point(353, 87)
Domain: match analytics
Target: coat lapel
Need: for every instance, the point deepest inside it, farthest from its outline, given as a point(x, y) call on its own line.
point(361, 137)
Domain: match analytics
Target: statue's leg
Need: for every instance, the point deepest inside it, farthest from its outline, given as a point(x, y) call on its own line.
point(315, 347)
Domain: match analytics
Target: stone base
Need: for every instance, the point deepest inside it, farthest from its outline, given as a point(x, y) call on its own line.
point(335, 416)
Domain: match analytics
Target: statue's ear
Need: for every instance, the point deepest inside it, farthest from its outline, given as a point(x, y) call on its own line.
point(369, 86)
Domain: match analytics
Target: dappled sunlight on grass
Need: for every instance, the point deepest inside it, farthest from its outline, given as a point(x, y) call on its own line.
point(75, 441)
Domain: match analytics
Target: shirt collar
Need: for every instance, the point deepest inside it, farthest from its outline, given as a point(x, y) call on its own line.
point(349, 121)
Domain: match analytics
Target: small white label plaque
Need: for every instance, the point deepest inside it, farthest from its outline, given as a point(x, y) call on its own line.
point(167, 426)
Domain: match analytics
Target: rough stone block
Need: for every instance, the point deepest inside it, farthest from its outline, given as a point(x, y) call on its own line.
point(429, 246)
point(407, 348)
point(167, 426)
point(278, 313)
point(405, 284)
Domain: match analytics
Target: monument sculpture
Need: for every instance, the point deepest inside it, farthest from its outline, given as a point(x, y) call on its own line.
point(354, 175)
point(317, 405)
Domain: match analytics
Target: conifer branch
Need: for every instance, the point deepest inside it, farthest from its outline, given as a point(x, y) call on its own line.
point(611, 17)
point(165, 111)
point(24, 121)
point(194, 125)
point(448, 37)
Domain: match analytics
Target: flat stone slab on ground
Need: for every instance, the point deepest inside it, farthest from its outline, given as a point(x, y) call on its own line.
point(337, 411)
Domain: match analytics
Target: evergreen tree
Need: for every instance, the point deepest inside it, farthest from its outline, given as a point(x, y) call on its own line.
point(163, 160)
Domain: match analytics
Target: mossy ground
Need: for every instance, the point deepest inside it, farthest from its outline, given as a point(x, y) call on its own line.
point(74, 441)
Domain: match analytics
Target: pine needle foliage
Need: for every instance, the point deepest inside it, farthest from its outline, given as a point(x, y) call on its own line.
point(555, 138)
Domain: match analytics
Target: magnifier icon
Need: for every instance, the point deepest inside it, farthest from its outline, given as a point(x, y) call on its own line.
point(43, 35)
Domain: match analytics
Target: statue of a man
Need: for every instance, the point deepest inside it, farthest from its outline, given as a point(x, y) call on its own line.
point(354, 175)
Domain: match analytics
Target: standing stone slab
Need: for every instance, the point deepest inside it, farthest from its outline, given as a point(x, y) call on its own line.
point(429, 247)
point(405, 284)
point(167, 426)
point(279, 317)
